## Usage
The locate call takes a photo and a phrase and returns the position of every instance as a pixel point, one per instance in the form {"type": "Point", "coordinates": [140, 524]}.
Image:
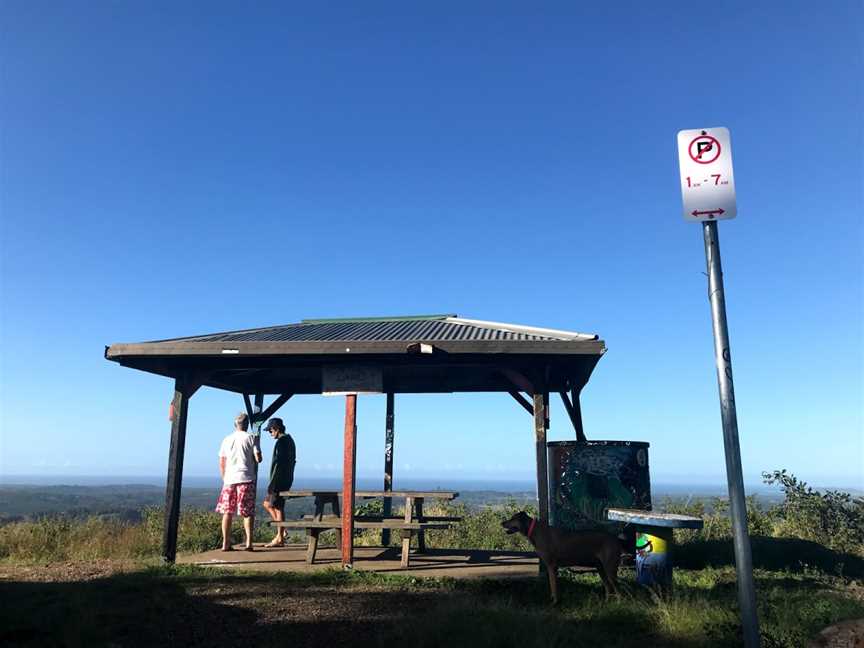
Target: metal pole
{"type": "Point", "coordinates": [723, 357]}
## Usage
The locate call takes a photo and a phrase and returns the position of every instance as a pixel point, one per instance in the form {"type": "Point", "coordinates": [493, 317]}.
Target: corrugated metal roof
{"type": "Point", "coordinates": [427, 328]}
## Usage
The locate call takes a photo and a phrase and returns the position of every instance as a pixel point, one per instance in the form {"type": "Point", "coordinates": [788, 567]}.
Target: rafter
{"type": "Point", "coordinates": [519, 398]}
{"type": "Point", "coordinates": [574, 411]}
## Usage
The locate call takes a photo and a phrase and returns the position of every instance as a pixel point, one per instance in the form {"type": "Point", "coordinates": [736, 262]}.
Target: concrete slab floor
{"type": "Point", "coordinates": [449, 563]}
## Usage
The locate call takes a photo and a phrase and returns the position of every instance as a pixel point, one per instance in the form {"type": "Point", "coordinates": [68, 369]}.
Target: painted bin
{"type": "Point", "coordinates": [654, 557]}
{"type": "Point", "coordinates": [588, 477]}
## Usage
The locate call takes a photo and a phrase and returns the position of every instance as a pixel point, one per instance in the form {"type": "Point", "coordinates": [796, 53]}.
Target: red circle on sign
{"type": "Point", "coordinates": [715, 146]}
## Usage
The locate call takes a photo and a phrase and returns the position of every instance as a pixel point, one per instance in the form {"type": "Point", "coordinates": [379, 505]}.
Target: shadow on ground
{"type": "Point", "coordinates": [144, 610]}
{"type": "Point", "coordinates": [197, 607]}
{"type": "Point", "coordinates": [775, 554]}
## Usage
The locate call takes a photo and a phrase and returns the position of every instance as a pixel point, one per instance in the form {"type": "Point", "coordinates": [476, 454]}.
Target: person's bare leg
{"type": "Point", "coordinates": [269, 508]}
{"type": "Point", "coordinates": [226, 532]}
{"type": "Point", "coordinates": [279, 516]}
{"type": "Point", "coordinates": [247, 527]}
{"type": "Point", "coordinates": [273, 511]}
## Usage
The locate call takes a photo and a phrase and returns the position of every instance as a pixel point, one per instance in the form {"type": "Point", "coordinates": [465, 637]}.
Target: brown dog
{"type": "Point", "coordinates": [560, 548]}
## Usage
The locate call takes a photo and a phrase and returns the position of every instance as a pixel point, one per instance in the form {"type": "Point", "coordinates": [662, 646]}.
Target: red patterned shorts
{"type": "Point", "coordinates": [238, 499]}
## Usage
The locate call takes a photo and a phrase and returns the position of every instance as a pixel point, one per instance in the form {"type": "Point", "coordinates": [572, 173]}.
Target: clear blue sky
{"type": "Point", "coordinates": [170, 170]}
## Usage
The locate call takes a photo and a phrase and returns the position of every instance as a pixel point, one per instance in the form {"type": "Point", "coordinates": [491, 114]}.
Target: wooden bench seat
{"type": "Point", "coordinates": [413, 522]}
{"type": "Point", "coordinates": [379, 518]}
{"type": "Point", "coordinates": [314, 527]}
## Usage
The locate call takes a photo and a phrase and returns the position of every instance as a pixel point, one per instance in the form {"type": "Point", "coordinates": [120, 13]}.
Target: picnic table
{"type": "Point", "coordinates": [654, 541]}
{"type": "Point", "coordinates": [412, 522]}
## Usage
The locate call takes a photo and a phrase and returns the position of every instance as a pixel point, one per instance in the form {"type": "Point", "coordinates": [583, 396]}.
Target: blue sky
{"type": "Point", "coordinates": [169, 170]}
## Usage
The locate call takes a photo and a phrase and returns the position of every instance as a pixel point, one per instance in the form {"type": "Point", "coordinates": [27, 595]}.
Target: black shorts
{"type": "Point", "coordinates": [275, 500]}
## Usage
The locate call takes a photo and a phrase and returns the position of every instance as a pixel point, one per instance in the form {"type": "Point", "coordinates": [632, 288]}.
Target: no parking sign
{"type": "Point", "coordinates": [707, 180]}
{"type": "Point", "coordinates": [708, 191]}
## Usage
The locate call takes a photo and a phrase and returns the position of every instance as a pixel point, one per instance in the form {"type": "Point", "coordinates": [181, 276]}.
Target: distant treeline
{"type": "Point", "coordinates": [834, 519]}
{"type": "Point", "coordinates": [127, 502]}
{"type": "Point", "coordinates": [809, 527]}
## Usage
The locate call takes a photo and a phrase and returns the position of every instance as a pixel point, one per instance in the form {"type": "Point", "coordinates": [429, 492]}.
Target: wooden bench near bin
{"type": "Point", "coordinates": [413, 522]}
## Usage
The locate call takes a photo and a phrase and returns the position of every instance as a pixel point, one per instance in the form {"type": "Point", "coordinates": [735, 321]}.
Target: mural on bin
{"type": "Point", "coordinates": [589, 477]}
{"type": "Point", "coordinates": [651, 560]}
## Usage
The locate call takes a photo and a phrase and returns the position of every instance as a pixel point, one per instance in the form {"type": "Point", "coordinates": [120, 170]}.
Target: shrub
{"type": "Point", "coordinates": [479, 529]}
{"type": "Point", "coordinates": [57, 539]}
{"type": "Point", "coordinates": [833, 518]}
{"type": "Point", "coordinates": [200, 529]}
{"type": "Point", "coordinates": [716, 518]}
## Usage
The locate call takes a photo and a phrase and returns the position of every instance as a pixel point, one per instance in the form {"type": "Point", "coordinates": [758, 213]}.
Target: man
{"type": "Point", "coordinates": [239, 456]}
{"type": "Point", "coordinates": [281, 476]}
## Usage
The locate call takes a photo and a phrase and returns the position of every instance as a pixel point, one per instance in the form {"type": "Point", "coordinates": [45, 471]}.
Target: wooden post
{"type": "Point", "coordinates": [255, 422]}
{"type": "Point", "coordinates": [388, 465]}
{"type": "Point", "coordinates": [575, 399]}
{"type": "Point", "coordinates": [406, 533]}
{"type": "Point", "coordinates": [546, 410]}
{"type": "Point", "coordinates": [183, 390]}
{"type": "Point", "coordinates": [421, 534]}
{"type": "Point", "coordinates": [540, 419]}
{"type": "Point", "coordinates": [349, 471]}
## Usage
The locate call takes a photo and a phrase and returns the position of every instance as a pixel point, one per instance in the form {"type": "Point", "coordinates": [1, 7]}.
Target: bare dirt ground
{"type": "Point", "coordinates": [66, 572]}
{"type": "Point", "coordinates": [110, 601]}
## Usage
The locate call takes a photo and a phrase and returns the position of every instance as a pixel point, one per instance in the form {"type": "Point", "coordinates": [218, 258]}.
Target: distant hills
{"type": "Point", "coordinates": [125, 501]}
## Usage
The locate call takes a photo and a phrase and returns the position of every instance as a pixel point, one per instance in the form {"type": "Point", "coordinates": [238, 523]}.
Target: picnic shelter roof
{"type": "Point", "coordinates": [420, 354]}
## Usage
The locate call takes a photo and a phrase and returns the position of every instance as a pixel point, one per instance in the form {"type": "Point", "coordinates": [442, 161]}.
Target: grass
{"type": "Point", "coordinates": [58, 538]}
{"type": "Point", "coordinates": [804, 583]}
{"type": "Point", "coordinates": [196, 606]}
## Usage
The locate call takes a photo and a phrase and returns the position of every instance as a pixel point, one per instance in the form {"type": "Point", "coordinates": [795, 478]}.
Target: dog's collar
{"type": "Point", "coordinates": [531, 527]}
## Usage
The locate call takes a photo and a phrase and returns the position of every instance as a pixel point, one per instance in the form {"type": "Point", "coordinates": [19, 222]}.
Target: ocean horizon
{"type": "Point", "coordinates": [659, 487]}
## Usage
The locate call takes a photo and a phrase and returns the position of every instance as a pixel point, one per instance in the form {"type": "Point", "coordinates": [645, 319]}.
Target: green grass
{"type": "Point", "coordinates": [808, 555]}
{"type": "Point", "coordinates": [195, 606]}
{"type": "Point", "coordinates": [60, 538]}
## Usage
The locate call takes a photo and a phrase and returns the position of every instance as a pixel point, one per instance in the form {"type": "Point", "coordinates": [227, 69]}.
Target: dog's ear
{"type": "Point", "coordinates": [524, 521]}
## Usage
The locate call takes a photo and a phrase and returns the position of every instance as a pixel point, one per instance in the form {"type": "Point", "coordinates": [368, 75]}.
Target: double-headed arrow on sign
{"type": "Point", "coordinates": [710, 212]}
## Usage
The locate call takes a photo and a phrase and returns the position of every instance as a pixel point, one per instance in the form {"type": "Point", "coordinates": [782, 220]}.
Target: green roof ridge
{"type": "Point", "coordinates": [396, 318]}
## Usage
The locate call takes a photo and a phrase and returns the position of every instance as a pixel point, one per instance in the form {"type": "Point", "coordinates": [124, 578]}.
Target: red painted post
{"type": "Point", "coordinates": [349, 466]}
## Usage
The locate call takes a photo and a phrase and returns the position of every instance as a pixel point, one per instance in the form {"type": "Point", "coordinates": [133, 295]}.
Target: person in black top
{"type": "Point", "coordinates": [281, 476]}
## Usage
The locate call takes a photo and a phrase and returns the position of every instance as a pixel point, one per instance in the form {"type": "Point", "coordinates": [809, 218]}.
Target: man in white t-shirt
{"type": "Point", "coordinates": [239, 456]}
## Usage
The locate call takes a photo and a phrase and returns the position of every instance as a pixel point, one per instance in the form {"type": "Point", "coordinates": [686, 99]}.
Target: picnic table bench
{"type": "Point", "coordinates": [654, 541]}
{"type": "Point", "coordinates": [412, 522]}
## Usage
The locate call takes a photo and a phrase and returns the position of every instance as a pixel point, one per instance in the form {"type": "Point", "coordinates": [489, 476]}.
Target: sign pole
{"type": "Point", "coordinates": [734, 476]}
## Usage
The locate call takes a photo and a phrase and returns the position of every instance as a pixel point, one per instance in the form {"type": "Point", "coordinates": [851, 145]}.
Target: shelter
{"type": "Point", "coordinates": [391, 355]}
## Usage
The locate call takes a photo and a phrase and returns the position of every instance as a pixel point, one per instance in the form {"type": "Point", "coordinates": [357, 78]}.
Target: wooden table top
{"type": "Point", "coordinates": [652, 518]}
{"type": "Point", "coordinates": [449, 495]}
{"type": "Point", "coordinates": [408, 493]}
{"type": "Point", "coordinates": [309, 493]}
